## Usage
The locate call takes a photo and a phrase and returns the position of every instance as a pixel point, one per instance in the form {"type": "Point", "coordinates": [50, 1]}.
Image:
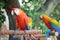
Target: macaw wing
{"type": "Point", "coordinates": [55, 27]}
{"type": "Point", "coordinates": [27, 24]}
{"type": "Point", "coordinates": [28, 21]}
{"type": "Point", "coordinates": [54, 21]}
{"type": "Point", "coordinates": [28, 27]}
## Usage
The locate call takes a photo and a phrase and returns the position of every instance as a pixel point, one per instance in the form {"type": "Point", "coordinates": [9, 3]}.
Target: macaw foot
{"type": "Point", "coordinates": [56, 33]}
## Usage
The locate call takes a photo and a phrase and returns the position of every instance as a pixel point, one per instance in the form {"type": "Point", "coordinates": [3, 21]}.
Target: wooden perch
{"type": "Point", "coordinates": [39, 35]}
{"type": "Point", "coordinates": [20, 32]}
{"type": "Point", "coordinates": [35, 35]}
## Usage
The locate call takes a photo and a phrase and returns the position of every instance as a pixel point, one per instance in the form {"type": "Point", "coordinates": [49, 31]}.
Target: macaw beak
{"type": "Point", "coordinates": [40, 17]}
{"type": "Point", "coordinates": [13, 11]}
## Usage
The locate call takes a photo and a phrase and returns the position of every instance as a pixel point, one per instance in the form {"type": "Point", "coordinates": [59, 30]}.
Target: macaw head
{"type": "Point", "coordinates": [42, 15]}
{"type": "Point", "coordinates": [45, 17]}
{"type": "Point", "coordinates": [15, 11]}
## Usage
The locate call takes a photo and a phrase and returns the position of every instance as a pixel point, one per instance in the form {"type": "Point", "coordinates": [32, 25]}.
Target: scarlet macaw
{"type": "Point", "coordinates": [23, 22]}
{"type": "Point", "coordinates": [51, 23]}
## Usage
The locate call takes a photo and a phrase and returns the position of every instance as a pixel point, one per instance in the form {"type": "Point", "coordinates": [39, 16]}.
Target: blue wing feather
{"type": "Point", "coordinates": [28, 27]}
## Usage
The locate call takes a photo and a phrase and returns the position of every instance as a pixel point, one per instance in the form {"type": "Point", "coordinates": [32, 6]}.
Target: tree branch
{"type": "Point", "coordinates": [11, 4]}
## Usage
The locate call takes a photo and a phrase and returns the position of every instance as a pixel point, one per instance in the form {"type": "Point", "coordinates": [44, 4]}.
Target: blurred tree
{"type": "Point", "coordinates": [56, 13]}
{"type": "Point", "coordinates": [2, 17]}
{"type": "Point", "coordinates": [11, 4]}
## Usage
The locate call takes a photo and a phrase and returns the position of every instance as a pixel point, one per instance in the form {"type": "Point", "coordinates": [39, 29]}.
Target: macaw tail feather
{"type": "Point", "coordinates": [56, 28]}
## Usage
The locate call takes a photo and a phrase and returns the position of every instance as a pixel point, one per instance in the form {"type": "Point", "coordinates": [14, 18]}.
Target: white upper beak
{"type": "Point", "coordinates": [12, 13]}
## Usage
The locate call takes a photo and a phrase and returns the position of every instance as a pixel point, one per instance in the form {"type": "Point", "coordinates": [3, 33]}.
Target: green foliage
{"type": "Point", "coordinates": [56, 13]}
{"type": "Point", "coordinates": [2, 17]}
{"type": "Point", "coordinates": [43, 27]}
{"type": "Point", "coordinates": [2, 3]}
{"type": "Point", "coordinates": [32, 5]}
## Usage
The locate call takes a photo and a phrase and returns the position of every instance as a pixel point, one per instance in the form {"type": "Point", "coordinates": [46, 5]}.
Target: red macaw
{"type": "Point", "coordinates": [46, 20]}
{"type": "Point", "coordinates": [23, 22]}
{"type": "Point", "coordinates": [52, 24]}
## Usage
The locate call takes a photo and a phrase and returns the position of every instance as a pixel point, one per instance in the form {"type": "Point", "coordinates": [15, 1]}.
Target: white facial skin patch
{"type": "Point", "coordinates": [16, 11]}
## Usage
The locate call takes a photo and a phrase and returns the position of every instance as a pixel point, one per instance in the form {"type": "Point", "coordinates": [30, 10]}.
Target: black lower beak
{"type": "Point", "coordinates": [40, 18]}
